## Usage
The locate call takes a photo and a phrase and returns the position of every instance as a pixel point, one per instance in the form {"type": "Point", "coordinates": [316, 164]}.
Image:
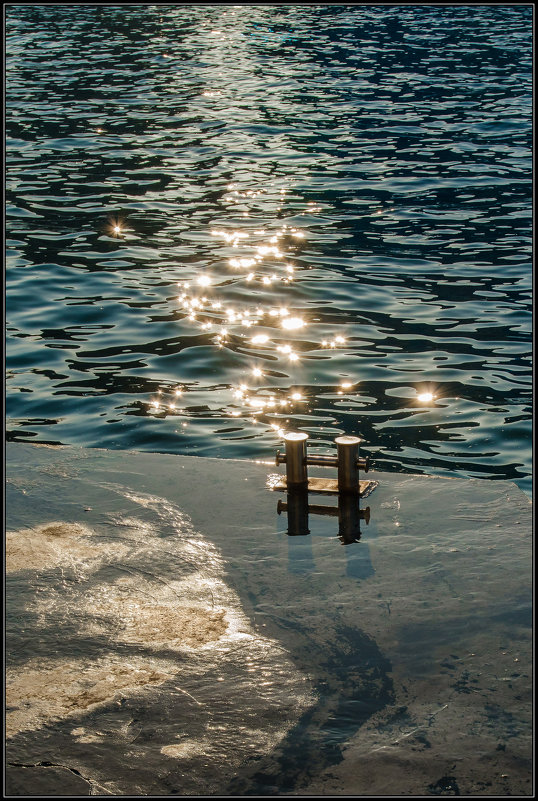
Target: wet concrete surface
{"type": "Point", "coordinates": [166, 636]}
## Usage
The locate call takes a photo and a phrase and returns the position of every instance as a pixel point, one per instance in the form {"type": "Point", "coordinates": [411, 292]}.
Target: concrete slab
{"type": "Point", "coordinates": [166, 636]}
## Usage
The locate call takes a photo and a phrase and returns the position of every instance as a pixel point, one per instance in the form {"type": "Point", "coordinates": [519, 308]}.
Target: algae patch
{"type": "Point", "coordinates": [183, 750]}
{"type": "Point", "coordinates": [57, 544]}
{"type": "Point", "coordinates": [155, 615]}
{"type": "Point", "coordinates": [39, 693]}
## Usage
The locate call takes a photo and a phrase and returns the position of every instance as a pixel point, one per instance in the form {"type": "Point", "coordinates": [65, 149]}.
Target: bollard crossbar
{"type": "Point", "coordinates": [323, 461]}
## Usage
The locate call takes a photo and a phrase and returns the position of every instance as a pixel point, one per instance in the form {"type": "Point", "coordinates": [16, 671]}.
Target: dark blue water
{"type": "Point", "coordinates": [361, 171]}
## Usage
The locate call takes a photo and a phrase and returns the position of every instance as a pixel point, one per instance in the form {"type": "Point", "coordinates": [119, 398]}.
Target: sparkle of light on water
{"type": "Point", "coordinates": [183, 206]}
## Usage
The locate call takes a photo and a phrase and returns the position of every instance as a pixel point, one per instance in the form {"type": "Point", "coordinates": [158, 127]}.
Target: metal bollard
{"type": "Point", "coordinates": [295, 460]}
{"type": "Point", "coordinates": [348, 463]}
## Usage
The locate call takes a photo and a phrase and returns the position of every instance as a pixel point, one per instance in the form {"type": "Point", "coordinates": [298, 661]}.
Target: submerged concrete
{"type": "Point", "coordinates": [166, 636]}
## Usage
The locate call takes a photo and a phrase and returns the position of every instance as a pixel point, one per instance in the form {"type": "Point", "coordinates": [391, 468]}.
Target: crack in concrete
{"type": "Point", "coordinates": [46, 764]}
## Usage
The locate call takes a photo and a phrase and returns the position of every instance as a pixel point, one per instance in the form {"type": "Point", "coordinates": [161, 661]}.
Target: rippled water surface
{"type": "Point", "coordinates": [225, 222]}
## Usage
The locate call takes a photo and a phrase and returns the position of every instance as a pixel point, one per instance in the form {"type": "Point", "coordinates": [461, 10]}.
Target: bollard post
{"type": "Point", "coordinates": [296, 474]}
{"type": "Point", "coordinates": [348, 467]}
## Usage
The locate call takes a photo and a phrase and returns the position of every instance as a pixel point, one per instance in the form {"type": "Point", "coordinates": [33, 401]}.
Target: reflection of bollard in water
{"type": "Point", "coordinates": [297, 509]}
{"type": "Point", "coordinates": [300, 556]}
{"type": "Point", "coordinates": [348, 512]}
{"type": "Point", "coordinates": [349, 517]}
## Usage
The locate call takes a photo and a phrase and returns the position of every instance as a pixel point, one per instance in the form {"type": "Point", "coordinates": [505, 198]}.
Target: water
{"type": "Point", "coordinates": [362, 171]}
